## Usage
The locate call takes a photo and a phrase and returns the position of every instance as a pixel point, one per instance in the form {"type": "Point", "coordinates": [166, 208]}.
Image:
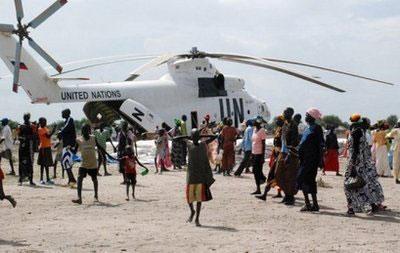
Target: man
{"type": "Point", "coordinates": [68, 136]}
{"type": "Point", "coordinates": [288, 161]}
{"type": "Point", "coordinates": [7, 140]}
{"type": "Point", "coordinates": [103, 134]}
{"type": "Point", "coordinates": [246, 146]}
{"type": "Point", "coordinates": [26, 133]}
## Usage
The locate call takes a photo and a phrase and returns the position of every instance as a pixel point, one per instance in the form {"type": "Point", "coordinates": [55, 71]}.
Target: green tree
{"type": "Point", "coordinates": [392, 120]}
{"type": "Point", "coordinates": [331, 120]}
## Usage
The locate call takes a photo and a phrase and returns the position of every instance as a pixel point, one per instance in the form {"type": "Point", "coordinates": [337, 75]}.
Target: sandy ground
{"type": "Point", "coordinates": [45, 220]}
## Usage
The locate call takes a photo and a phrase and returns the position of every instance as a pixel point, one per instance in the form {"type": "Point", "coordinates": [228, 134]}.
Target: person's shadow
{"type": "Point", "coordinates": [220, 228]}
{"type": "Point", "coordinates": [14, 243]}
{"type": "Point", "coordinates": [386, 216]}
{"type": "Point", "coordinates": [103, 204]}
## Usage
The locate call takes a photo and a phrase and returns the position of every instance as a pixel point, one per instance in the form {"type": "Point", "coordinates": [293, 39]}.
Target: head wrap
{"type": "Point", "coordinates": [315, 113]}
{"type": "Point", "coordinates": [4, 121]}
{"type": "Point", "coordinates": [355, 117]}
{"type": "Point", "coordinates": [280, 117]}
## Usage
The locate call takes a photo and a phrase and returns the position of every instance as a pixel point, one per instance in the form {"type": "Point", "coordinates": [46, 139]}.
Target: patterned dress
{"type": "Point", "coordinates": [360, 157]}
{"type": "Point", "coordinates": [178, 156]}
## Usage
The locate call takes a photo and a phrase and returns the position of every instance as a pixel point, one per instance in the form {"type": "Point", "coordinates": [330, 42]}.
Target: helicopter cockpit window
{"type": "Point", "coordinates": [212, 87]}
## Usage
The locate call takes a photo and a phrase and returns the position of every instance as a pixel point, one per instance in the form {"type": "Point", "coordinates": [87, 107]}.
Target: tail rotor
{"type": "Point", "coordinates": [21, 30]}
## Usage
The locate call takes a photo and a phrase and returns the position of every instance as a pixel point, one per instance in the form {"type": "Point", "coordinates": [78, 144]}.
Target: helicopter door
{"type": "Point", "coordinates": [194, 119]}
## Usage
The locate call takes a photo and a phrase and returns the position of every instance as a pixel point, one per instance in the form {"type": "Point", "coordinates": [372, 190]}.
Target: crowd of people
{"type": "Point", "coordinates": [298, 152]}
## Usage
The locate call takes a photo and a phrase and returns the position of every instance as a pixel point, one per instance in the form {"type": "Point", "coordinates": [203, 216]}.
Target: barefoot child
{"type": "Point", "coordinates": [58, 157]}
{"type": "Point", "coordinates": [45, 159]}
{"type": "Point", "coordinates": [199, 174]}
{"type": "Point", "coordinates": [2, 195]}
{"type": "Point", "coordinates": [130, 161]}
{"type": "Point", "coordinates": [87, 145]}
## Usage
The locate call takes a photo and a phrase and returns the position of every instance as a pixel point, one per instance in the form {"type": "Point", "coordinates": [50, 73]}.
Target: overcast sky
{"type": "Point", "coordinates": [360, 36]}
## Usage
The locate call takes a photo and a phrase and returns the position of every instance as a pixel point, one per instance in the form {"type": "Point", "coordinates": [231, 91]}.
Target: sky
{"type": "Point", "coordinates": [360, 36]}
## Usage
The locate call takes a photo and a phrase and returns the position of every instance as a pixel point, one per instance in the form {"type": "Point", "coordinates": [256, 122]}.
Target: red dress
{"type": "Point", "coordinates": [331, 157]}
{"type": "Point", "coordinates": [331, 160]}
{"type": "Point", "coordinates": [228, 135]}
{"type": "Point", "coordinates": [130, 165]}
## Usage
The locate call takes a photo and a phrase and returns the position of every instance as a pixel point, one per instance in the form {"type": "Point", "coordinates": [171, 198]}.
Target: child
{"type": "Point", "coordinates": [130, 161]}
{"type": "Point", "coordinates": [199, 174]}
{"type": "Point", "coordinates": [58, 157]}
{"type": "Point", "coordinates": [45, 156]}
{"type": "Point", "coordinates": [2, 195]}
{"type": "Point", "coordinates": [87, 145]}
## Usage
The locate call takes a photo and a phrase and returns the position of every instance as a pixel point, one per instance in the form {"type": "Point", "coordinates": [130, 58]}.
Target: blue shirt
{"type": "Point", "coordinates": [247, 141]}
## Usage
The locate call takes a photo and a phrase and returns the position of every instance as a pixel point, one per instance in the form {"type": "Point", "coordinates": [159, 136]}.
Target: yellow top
{"type": "Point", "coordinates": [380, 138]}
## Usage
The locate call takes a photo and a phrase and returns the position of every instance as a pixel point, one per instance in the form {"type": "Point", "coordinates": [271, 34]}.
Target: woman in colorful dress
{"type": "Point", "coordinates": [163, 155]}
{"type": "Point", "coordinates": [228, 136]}
{"type": "Point", "coordinates": [368, 198]}
{"type": "Point", "coordinates": [381, 151]}
{"type": "Point", "coordinates": [331, 156]}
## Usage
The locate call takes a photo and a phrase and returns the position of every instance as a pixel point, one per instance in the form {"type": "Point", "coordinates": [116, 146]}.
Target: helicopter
{"type": "Point", "coordinates": [193, 86]}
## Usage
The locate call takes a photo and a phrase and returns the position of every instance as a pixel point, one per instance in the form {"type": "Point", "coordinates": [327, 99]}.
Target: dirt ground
{"type": "Point", "coordinates": [45, 220]}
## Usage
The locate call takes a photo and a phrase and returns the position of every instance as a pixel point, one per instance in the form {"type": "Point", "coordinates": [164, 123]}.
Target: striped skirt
{"type": "Point", "coordinates": [197, 193]}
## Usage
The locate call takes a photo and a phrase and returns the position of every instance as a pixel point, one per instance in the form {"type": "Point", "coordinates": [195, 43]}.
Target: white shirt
{"type": "Point", "coordinates": [6, 134]}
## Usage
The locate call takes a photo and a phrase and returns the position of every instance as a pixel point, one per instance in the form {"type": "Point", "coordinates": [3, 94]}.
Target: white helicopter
{"type": "Point", "coordinates": [193, 86]}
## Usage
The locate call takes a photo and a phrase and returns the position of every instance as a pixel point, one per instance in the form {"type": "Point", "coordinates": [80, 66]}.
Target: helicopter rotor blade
{"type": "Point", "coordinates": [19, 9]}
{"type": "Point", "coordinates": [45, 55]}
{"type": "Point", "coordinates": [154, 63]}
{"type": "Point", "coordinates": [17, 65]}
{"type": "Point", "coordinates": [327, 69]}
{"type": "Point", "coordinates": [219, 55]}
{"type": "Point", "coordinates": [6, 28]}
{"type": "Point", "coordinates": [105, 63]}
{"type": "Point", "coordinates": [47, 13]}
{"type": "Point", "coordinates": [269, 65]}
